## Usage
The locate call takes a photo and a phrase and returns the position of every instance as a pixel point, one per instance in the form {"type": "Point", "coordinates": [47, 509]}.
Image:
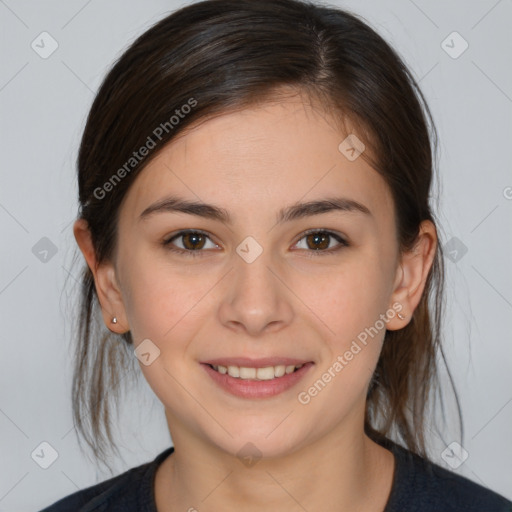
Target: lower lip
{"type": "Point", "coordinates": [249, 388]}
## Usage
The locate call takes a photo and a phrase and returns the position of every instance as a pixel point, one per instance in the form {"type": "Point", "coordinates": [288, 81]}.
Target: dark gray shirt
{"type": "Point", "coordinates": [418, 486]}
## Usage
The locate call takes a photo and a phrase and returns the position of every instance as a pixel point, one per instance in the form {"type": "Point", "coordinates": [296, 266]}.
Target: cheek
{"type": "Point", "coordinates": [347, 297]}
{"type": "Point", "coordinates": [161, 306]}
{"type": "Point", "coordinates": [349, 300]}
{"type": "Point", "coordinates": [158, 299]}
{"type": "Point", "coordinates": [349, 303]}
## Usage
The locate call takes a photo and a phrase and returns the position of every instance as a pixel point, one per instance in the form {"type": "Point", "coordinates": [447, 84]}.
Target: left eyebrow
{"type": "Point", "coordinates": [301, 210]}
{"type": "Point", "coordinates": [292, 212]}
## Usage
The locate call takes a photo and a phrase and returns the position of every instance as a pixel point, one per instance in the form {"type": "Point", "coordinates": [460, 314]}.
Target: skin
{"type": "Point", "coordinates": [252, 163]}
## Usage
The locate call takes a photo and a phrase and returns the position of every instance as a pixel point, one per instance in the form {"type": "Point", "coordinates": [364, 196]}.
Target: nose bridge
{"type": "Point", "coordinates": [255, 296]}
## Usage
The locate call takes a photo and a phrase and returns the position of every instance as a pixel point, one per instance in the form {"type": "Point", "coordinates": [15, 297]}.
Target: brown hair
{"type": "Point", "coordinates": [222, 55]}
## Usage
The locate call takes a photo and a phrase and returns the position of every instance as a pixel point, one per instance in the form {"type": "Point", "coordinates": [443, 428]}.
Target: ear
{"type": "Point", "coordinates": [411, 275]}
{"type": "Point", "coordinates": [109, 293]}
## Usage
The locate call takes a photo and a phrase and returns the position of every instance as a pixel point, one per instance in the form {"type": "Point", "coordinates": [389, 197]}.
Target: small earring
{"type": "Point", "coordinates": [114, 320]}
{"type": "Point", "coordinates": [402, 317]}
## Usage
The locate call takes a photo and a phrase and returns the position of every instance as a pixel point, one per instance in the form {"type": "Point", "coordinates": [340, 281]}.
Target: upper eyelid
{"type": "Point", "coordinates": [321, 230]}
{"type": "Point", "coordinates": [187, 232]}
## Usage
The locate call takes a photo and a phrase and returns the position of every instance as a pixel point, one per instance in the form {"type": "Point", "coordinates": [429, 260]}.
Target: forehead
{"type": "Point", "coordinates": [261, 157]}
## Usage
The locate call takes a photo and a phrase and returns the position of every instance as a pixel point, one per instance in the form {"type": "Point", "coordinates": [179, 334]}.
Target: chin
{"type": "Point", "coordinates": [259, 441]}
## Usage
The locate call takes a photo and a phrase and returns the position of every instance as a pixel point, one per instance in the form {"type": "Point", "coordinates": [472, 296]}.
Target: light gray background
{"type": "Point", "coordinates": [43, 107]}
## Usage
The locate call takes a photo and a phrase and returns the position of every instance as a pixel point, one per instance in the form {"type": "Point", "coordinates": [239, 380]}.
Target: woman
{"type": "Point", "coordinates": [254, 183]}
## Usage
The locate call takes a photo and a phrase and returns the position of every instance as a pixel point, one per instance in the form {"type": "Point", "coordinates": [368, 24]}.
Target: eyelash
{"type": "Point", "coordinates": [311, 253]}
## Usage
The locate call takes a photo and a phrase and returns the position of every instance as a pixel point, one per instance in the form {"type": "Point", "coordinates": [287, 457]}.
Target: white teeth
{"type": "Point", "coordinates": [279, 371]}
{"type": "Point", "coordinates": [247, 373]}
{"type": "Point", "coordinates": [267, 373]}
{"type": "Point", "coordinates": [234, 371]}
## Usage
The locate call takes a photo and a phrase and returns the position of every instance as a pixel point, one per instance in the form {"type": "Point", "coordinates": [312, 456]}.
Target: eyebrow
{"type": "Point", "coordinates": [295, 211]}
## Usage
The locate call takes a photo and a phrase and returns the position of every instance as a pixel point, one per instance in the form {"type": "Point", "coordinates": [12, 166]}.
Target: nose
{"type": "Point", "coordinates": [256, 298]}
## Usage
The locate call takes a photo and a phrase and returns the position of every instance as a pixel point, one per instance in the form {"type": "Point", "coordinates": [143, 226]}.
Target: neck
{"type": "Point", "coordinates": [342, 472]}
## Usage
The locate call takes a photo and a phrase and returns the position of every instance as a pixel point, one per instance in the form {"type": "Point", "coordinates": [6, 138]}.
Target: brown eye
{"type": "Point", "coordinates": [190, 243]}
{"type": "Point", "coordinates": [193, 241]}
{"type": "Point", "coordinates": [318, 241]}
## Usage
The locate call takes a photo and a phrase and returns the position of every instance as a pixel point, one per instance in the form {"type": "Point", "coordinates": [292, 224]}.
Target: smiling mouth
{"type": "Point", "coordinates": [264, 373]}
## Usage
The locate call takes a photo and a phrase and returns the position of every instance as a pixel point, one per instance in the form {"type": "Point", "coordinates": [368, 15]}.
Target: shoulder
{"type": "Point", "coordinates": [129, 491]}
{"type": "Point", "coordinates": [422, 486]}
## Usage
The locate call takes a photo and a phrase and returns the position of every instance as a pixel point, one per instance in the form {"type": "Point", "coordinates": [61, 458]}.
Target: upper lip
{"type": "Point", "coordinates": [255, 363]}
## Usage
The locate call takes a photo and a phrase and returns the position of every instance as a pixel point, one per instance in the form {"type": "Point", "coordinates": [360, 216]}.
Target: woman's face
{"type": "Point", "coordinates": [255, 287]}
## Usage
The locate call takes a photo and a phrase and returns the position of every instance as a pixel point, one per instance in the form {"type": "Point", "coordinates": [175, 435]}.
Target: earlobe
{"type": "Point", "coordinates": [107, 289]}
{"type": "Point", "coordinates": [412, 274]}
